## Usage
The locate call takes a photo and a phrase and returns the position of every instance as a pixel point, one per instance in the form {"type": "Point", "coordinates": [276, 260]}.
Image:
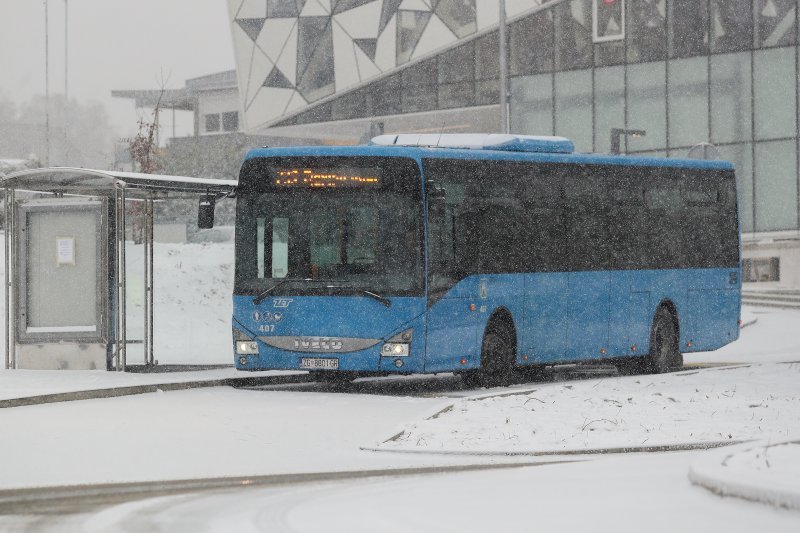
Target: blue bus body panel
{"type": "Point", "coordinates": [331, 316]}
{"type": "Point", "coordinates": [544, 331]}
{"type": "Point", "coordinates": [558, 317]}
{"type": "Point", "coordinates": [583, 316]}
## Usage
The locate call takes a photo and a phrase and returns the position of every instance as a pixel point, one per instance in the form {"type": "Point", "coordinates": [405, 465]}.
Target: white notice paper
{"type": "Point", "coordinates": [65, 250]}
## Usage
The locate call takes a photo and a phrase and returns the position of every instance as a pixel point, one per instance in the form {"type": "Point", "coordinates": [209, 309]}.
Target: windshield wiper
{"type": "Point", "coordinates": [263, 294]}
{"type": "Point", "coordinates": [382, 299]}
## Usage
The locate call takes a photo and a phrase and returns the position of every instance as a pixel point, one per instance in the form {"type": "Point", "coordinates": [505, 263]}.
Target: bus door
{"type": "Point", "coordinates": [453, 294]}
{"type": "Point", "coordinates": [544, 334]}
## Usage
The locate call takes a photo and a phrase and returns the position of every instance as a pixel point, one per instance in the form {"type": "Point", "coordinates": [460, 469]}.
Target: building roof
{"type": "Point", "coordinates": [182, 99]}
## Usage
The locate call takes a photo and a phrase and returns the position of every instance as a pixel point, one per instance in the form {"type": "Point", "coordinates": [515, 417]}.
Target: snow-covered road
{"type": "Point", "coordinates": [645, 492]}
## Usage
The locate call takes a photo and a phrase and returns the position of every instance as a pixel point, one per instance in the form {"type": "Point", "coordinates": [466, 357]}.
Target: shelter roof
{"type": "Point", "coordinates": [106, 182]}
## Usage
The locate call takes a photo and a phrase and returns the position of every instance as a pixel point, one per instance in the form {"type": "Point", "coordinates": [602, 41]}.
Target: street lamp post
{"type": "Point", "coordinates": [504, 125]}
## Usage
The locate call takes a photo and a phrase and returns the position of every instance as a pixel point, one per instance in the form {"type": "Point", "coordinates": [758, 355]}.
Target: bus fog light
{"type": "Point", "coordinates": [243, 361]}
{"type": "Point", "coordinates": [246, 347]}
{"type": "Point", "coordinates": [398, 363]}
{"type": "Point", "coordinates": [395, 349]}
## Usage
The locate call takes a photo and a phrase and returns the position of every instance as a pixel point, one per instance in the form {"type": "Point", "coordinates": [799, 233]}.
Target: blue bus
{"type": "Point", "coordinates": [480, 255]}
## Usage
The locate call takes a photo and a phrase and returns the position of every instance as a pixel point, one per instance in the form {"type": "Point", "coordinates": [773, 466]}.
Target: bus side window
{"type": "Point", "coordinates": [543, 231]}
{"type": "Point", "coordinates": [627, 224]}
{"type": "Point", "coordinates": [585, 208]}
{"type": "Point", "coordinates": [664, 206]}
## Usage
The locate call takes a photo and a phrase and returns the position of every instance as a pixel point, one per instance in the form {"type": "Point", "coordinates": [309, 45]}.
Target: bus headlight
{"type": "Point", "coordinates": [394, 349]}
{"type": "Point", "coordinates": [244, 344]}
{"type": "Point", "coordinates": [246, 347]}
{"type": "Point", "coordinates": [398, 345]}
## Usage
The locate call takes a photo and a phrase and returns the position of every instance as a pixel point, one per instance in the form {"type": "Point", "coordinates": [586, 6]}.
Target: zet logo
{"type": "Point", "coordinates": [281, 302]}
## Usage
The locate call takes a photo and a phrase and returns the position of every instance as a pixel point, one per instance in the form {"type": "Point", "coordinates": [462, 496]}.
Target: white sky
{"type": "Point", "coordinates": [113, 44]}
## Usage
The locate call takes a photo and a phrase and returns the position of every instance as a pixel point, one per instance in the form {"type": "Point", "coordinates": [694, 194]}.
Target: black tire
{"type": "Point", "coordinates": [665, 355]}
{"type": "Point", "coordinates": [498, 357]}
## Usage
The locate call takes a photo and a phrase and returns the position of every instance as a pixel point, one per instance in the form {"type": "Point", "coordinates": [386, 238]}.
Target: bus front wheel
{"type": "Point", "coordinates": [498, 355]}
{"type": "Point", "coordinates": [665, 355]}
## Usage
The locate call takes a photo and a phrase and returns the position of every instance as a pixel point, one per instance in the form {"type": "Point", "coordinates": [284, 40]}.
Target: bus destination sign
{"type": "Point", "coordinates": [327, 178]}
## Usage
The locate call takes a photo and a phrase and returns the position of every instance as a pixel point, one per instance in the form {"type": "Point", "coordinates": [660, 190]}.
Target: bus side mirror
{"type": "Point", "coordinates": [205, 212]}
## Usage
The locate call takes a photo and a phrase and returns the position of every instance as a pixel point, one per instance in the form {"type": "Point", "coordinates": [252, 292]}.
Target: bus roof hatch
{"type": "Point", "coordinates": [480, 141]}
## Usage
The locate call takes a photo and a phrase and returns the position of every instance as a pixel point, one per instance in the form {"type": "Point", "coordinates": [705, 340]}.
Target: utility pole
{"type": "Point", "coordinates": [504, 125]}
{"type": "Point", "coordinates": [46, 87]}
{"type": "Point", "coordinates": [66, 78]}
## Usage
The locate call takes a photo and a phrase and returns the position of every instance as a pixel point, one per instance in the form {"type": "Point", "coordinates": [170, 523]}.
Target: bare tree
{"type": "Point", "coordinates": [144, 146]}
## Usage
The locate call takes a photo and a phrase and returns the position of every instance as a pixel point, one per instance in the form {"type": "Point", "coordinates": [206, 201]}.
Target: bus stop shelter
{"type": "Point", "coordinates": [65, 234]}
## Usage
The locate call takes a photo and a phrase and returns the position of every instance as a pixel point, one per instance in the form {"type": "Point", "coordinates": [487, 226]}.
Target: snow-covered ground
{"type": "Point", "coordinates": [226, 432]}
{"type": "Point", "coordinates": [634, 493]}
{"type": "Point", "coordinates": [698, 406]}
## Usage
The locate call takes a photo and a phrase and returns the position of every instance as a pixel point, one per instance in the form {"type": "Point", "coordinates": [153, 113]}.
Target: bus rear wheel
{"type": "Point", "coordinates": [664, 355]}
{"type": "Point", "coordinates": [498, 355]}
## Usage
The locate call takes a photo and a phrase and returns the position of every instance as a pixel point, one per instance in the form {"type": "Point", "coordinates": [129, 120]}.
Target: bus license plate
{"type": "Point", "coordinates": [329, 364]}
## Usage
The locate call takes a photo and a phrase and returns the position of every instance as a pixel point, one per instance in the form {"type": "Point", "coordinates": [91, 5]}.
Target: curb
{"type": "Point", "coordinates": [32, 499]}
{"type": "Point", "coordinates": [132, 390]}
{"type": "Point", "coordinates": [715, 479]}
{"type": "Point", "coordinates": [680, 447]}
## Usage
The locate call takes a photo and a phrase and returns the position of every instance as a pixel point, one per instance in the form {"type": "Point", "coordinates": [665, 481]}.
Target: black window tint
{"type": "Point", "coordinates": [626, 221]}
{"type": "Point", "coordinates": [699, 192]}
{"type": "Point", "coordinates": [585, 213]}
{"type": "Point", "coordinates": [492, 217]}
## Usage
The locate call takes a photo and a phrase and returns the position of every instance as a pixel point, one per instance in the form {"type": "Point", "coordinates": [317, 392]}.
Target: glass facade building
{"type": "Point", "coordinates": [724, 72]}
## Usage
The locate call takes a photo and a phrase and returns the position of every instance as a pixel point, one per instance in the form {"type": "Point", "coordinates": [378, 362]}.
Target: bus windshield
{"type": "Point", "coordinates": [351, 226]}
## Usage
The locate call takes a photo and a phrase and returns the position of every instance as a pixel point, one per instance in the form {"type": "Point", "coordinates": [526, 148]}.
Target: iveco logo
{"type": "Point", "coordinates": [321, 344]}
{"type": "Point", "coordinates": [281, 302]}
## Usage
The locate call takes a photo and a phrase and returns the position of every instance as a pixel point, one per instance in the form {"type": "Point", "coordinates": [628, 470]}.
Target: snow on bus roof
{"type": "Point", "coordinates": [480, 141]}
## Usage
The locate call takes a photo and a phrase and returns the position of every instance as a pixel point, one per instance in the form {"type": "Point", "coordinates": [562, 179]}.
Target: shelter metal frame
{"type": "Point", "coordinates": [118, 188]}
